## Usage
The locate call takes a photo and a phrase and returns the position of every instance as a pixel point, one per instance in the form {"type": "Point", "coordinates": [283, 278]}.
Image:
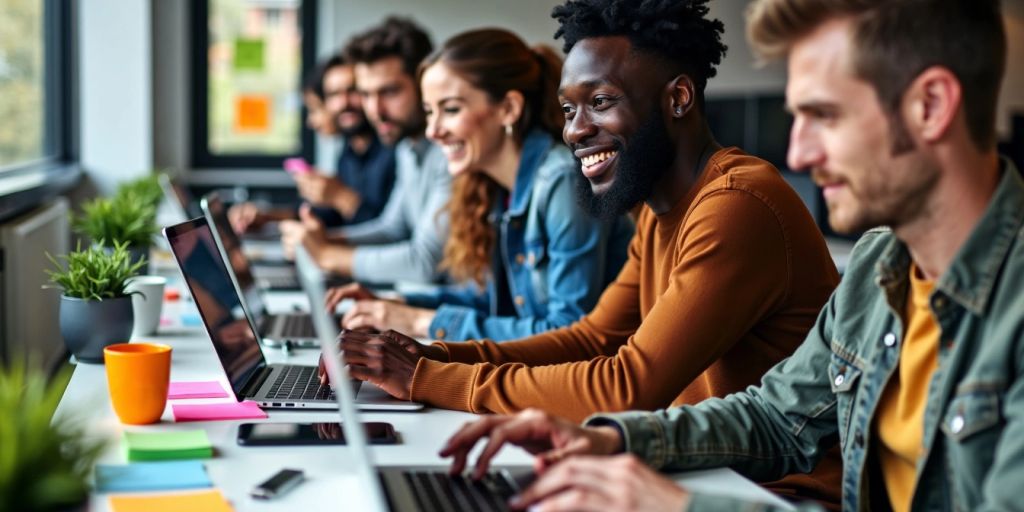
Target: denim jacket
{"type": "Point", "coordinates": [974, 420]}
{"type": "Point", "coordinates": [556, 258]}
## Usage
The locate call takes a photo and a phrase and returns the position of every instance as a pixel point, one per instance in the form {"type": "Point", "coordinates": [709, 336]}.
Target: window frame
{"type": "Point", "coordinates": [60, 136]}
{"type": "Point", "coordinates": [202, 158]}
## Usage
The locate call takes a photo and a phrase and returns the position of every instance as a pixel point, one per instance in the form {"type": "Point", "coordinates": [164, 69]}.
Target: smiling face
{"type": "Point", "coordinates": [390, 99]}
{"type": "Point", "coordinates": [461, 119]}
{"type": "Point", "coordinates": [614, 123]}
{"type": "Point", "coordinates": [317, 118]}
{"type": "Point", "coordinates": [844, 138]}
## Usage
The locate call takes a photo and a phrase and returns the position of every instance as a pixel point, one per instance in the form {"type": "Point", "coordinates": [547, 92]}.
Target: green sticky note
{"type": "Point", "coordinates": [184, 444]}
{"type": "Point", "coordinates": [249, 54]}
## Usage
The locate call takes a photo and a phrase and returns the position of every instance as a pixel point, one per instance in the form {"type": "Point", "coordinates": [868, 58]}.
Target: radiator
{"type": "Point", "coordinates": [28, 314]}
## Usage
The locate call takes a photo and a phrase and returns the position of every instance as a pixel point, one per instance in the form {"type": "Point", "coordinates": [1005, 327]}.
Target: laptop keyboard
{"type": "Point", "coordinates": [437, 490]}
{"type": "Point", "coordinates": [299, 383]}
{"type": "Point", "coordinates": [298, 326]}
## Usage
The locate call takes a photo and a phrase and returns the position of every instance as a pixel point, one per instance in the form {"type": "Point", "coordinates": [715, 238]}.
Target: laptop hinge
{"type": "Point", "coordinates": [255, 383]}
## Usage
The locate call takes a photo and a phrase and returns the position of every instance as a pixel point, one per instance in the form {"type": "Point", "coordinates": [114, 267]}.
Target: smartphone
{"type": "Point", "coordinates": [294, 434]}
{"type": "Point", "coordinates": [282, 482]}
{"type": "Point", "coordinates": [295, 166]}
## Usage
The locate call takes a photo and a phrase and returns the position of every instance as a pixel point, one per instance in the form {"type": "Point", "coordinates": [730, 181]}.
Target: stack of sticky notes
{"type": "Point", "coordinates": [204, 501]}
{"type": "Point", "coordinates": [178, 444]}
{"type": "Point", "coordinates": [151, 476]}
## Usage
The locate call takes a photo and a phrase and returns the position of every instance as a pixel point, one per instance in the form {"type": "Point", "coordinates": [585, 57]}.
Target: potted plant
{"type": "Point", "coordinates": [127, 217]}
{"type": "Point", "coordinates": [145, 190]}
{"type": "Point", "coordinates": [45, 464]}
{"type": "Point", "coordinates": [95, 309]}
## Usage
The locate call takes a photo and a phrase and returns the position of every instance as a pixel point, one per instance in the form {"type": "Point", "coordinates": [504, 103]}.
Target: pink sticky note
{"type": "Point", "coordinates": [198, 389]}
{"type": "Point", "coordinates": [212, 412]}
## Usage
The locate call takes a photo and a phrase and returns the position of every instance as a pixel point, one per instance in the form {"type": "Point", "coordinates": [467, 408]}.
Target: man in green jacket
{"type": "Point", "coordinates": [916, 364]}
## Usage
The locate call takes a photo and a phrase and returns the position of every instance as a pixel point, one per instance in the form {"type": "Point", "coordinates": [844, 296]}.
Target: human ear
{"type": "Point", "coordinates": [681, 96]}
{"type": "Point", "coordinates": [931, 103]}
{"type": "Point", "coordinates": [511, 107]}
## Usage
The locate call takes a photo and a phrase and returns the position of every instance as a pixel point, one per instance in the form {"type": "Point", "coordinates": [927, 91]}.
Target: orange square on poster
{"type": "Point", "coordinates": [252, 113]}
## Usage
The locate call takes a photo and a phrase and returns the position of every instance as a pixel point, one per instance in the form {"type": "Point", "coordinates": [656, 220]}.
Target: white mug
{"type": "Point", "coordinates": [147, 303]}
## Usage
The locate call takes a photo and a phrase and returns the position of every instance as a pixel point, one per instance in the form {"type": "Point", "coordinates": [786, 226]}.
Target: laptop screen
{"type": "Point", "coordinates": [232, 334]}
{"type": "Point", "coordinates": [217, 214]}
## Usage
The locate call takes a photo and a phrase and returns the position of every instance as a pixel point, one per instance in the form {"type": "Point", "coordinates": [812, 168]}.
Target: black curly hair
{"type": "Point", "coordinates": [676, 31]}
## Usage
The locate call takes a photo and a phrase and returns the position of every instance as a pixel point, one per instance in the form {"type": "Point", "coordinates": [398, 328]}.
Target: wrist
{"type": "Point", "coordinates": [609, 439]}
{"type": "Point", "coordinates": [421, 324]}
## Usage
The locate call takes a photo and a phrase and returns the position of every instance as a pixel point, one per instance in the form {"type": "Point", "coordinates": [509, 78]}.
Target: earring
{"type": "Point", "coordinates": [679, 111]}
{"type": "Point", "coordinates": [508, 130]}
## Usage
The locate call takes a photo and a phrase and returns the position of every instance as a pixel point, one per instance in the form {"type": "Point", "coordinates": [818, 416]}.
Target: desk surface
{"type": "Point", "coordinates": [235, 469]}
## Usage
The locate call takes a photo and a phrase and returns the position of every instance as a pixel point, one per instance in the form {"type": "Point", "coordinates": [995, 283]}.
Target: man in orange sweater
{"type": "Point", "coordinates": [726, 272]}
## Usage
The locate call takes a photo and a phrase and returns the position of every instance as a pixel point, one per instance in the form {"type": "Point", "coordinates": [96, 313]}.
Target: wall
{"type": "Point", "coordinates": [115, 91]}
{"type": "Point", "coordinates": [1011, 95]}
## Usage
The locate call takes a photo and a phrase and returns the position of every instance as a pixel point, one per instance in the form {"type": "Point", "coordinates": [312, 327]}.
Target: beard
{"type": "Point", "coordinates": [363, 127]}
{"type": "Point", "coordinates": [641, 165]}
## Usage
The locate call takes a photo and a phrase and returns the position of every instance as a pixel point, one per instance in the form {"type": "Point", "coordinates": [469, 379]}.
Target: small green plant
{"type": "Point", "coordinates": [44, 464]}
{"type": "Point", "coordinates": [145, 190]}
{"type": "Point", "coordinates": [123, 218]}
{"type": "Point", "coordinates": [95, 273]}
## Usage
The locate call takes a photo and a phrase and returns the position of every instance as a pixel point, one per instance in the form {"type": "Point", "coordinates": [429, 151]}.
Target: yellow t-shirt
{"type": "Point", "coordinates": [899, 423]}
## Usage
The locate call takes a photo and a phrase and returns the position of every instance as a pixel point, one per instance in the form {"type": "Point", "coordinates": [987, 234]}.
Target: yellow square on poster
{"type": "Point", "coordinates": [252, 113]}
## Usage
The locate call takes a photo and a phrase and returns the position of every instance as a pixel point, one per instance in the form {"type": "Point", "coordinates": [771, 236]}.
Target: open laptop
{"type": "Point", "coordinates": [276, 386]}
{"type": "Point", "coordinates": [271, 277]}
{"type": "Point", "coordinates": [177, 199]}
{"type": "Point", "coordinates": [402, 488]}
{"type": "Point", "coordinates": [276, 329]}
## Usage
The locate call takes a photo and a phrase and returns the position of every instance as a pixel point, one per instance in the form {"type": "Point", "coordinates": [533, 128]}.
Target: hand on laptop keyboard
{"type": "Point", "coordinates": [542, 434]}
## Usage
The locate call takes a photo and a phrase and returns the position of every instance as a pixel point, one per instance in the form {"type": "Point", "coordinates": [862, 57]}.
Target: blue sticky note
{"type": "Point", "coordinates": [151, 476]}
{"type": "Point", "coordinates": [191, 320]}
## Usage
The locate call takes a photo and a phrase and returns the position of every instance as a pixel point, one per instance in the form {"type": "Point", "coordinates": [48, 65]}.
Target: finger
{"type": "Point", "coordinates": [576, 499]}
{"type": "Point", "coordinates": [460, 443]}
{"type": "Point", "coordinates": [363, 322]}
{"type": "Point", "coordinates": [516, 431]}
{"type": "Point", "coordinates": [587, 473]}
{"type": "Point", "coordinates": [470, 433]}
{"type": "Point", "coordinates": [580, 445]}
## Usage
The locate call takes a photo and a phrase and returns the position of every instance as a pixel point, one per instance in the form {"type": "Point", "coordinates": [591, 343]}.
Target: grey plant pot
{"type": "Point", "coordinates": [88, 326]}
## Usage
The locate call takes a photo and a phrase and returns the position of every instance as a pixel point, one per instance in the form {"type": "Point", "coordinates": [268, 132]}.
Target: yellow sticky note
{"type": "Point", "coordinates": [205, 501]}
{"type": "Point", "coordinates": [252, 113]}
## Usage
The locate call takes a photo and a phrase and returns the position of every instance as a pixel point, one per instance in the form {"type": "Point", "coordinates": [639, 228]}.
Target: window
{"type": "Point", "coordinates": [249, 58]}
{"type": "Point", "coordinates": [34, 85]}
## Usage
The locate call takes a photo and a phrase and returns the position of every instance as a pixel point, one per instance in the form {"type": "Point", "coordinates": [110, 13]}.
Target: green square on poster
{"type": "Point", "coordinates": [249, 54]}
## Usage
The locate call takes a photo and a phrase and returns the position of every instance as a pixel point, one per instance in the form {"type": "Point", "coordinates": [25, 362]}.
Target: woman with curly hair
{"type": "Point", "coordinates": [527, 256]}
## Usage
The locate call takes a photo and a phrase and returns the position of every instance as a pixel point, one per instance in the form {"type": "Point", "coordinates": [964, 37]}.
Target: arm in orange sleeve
{"type": "Point", "coordinates": [732, 270]}
{"type": "Point", "coordinates": [614, 319]}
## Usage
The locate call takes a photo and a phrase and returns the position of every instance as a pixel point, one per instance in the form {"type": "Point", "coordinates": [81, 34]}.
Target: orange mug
{"type": "Point", "coordinates": [138, 375]}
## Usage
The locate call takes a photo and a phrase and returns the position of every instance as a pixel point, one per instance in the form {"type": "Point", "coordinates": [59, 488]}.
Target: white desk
{"type": "Point", "coordinates": [331, 484]}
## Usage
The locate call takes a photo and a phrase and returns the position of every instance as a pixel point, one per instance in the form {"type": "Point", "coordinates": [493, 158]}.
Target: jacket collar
{"type": "Point", "coordinates": [535, 147]}
{"type": "Point", "coordinates": [971, 276]}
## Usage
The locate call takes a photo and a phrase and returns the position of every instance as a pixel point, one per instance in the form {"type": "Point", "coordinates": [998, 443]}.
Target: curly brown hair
{"type": "Point", "coordinates": [495, 61]}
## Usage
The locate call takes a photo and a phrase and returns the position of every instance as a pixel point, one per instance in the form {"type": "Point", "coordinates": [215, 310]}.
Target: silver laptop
{"type": "Point", "coordinates": [401, 488]}
{"type": "Point", "coordinates": [275, 329]}
{"type": "Point", "coordinates": [275, 386]}
{"type": "Point", "coordinates": [278, 276]}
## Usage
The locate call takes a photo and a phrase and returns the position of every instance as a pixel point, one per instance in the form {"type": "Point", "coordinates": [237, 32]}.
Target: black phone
{"type": "Point", "coordinates": [293, 434]}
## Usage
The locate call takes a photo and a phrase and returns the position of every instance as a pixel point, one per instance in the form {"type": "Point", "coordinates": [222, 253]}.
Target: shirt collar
{"type": "Point", "coordinates": [971, 276]}
{"type": "Point", "coordinates": [535, 147]}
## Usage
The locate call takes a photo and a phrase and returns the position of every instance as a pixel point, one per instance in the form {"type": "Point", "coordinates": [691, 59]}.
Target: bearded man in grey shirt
{"type": "Point", "coordinates": [406, 242]}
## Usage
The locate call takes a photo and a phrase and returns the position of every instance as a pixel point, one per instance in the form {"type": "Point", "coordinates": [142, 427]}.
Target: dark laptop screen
{"type": "Point", "coordinates": [203, 268]}
{"type": "Point", "coordinates": [218, 216]}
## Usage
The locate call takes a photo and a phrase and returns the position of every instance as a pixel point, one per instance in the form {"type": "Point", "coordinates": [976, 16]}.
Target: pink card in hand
{"type": "Point", "coordinates": [197, 389]}
{"type": "Point", "coordinates": [212, 412]}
